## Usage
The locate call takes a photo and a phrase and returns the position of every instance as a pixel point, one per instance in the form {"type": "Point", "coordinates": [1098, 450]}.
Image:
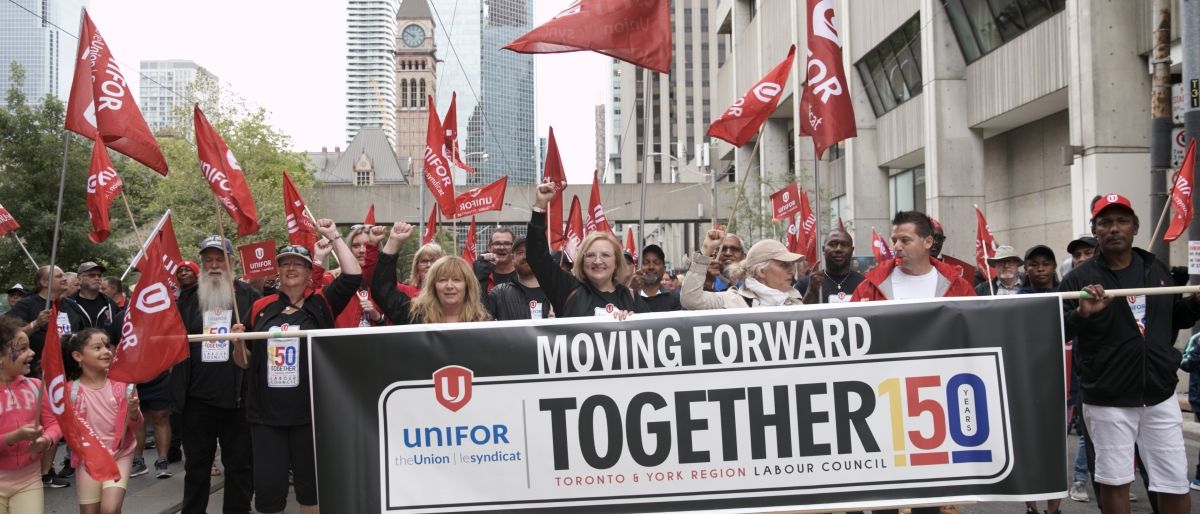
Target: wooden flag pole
{"type": "Point", "coordinates": [1161, 217]}
{"type": "Point", "coordinates": [746, 175]}
{"type": "Point", "coordinates": [237, 316]}
{"type": "Point", "coordinates": [136, 232]}
{"type": "Point", "coordinates": [314, 220]}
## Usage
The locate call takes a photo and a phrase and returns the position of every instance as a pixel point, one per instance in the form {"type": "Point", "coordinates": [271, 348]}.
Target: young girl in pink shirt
{"type": "Point", "coordinates": [24, 436]}
{"type": "Point", "coordinates": [110, 407]}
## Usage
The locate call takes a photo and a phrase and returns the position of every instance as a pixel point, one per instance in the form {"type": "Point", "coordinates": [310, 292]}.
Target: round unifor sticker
{"type": "Point", "coordinates": [1131, 299]}
{"type": "Point", "coordinates": [533, 304]}
{"type": "Point", "coordinates": [1112, 198]}
{"type": "Point", "coordinates": [609, 308]}
{"type": "Point", "coordinates": [362, 293]}
{"type": "Point", "coordinates": [841, 295]}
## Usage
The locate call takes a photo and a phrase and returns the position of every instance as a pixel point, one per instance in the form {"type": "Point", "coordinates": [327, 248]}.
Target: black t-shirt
{"type": "Point", "coordinates": [278, 377]}
{"type": "Point", "coordinates": [833, 285]}
{"type": "Point", "coordinates": [94, 308]}
{"type": "Point", "coordinates": [1131, 276]}
{"type": "Point", "coordinates": [500, 278]}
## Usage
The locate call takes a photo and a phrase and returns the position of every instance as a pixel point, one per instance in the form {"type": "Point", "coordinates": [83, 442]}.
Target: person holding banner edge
{"type": "Point", "coordinates": [277, 402]}
{"type": "Point", "coordinates": [1127, 362]}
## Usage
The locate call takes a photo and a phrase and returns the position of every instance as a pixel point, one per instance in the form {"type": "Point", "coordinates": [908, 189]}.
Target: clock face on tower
{"type": "Point", "coordinates": [413, 35]}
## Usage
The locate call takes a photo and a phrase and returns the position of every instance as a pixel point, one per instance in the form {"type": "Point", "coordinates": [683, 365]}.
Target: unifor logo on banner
{"type": "Point", "coordinates": [844, 407]}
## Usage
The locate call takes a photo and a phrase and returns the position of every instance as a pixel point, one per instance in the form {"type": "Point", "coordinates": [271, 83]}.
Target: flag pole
{"type": "Point", "coordinates": [421, 202]}
{"type": "Point", "coordinates": [62, 184]}
{"type": "Point", "coordinates": [136, 232]}
{"type": "Point", "coordinates": [237, 316]}
{"type": "Point", "coordinates": [817, 197]}
{"type": "Point", "coordinates": [646, 134]}
{"type": "Point", "coordinates": [742, 188]}
{"type": "Point", "coordinates": [314, 220]}
{"type": "Point", "coordinates": [26, 250]}
{"type": "Point", "coordinates": [1162, 217]}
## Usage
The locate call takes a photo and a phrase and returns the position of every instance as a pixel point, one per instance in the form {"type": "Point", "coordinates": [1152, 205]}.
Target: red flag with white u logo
{"type": "Point", "coordinates": [7, 222]}
{"type": "Point", "coordinates": [103, 186]}
{"type": "Point", "coordinates": [785, 202]}
{"type": "Point", "coordinates": [468, 251]}
{"type": "Point", "coordinates": [826, 112]}
{"type": "Point", "coordinates": [482, 199]}
{"type": "Point", "coordinates": [595, 219]}
{"type": "Point", "coordinates": [224, 175]}
{"type": "Point", "coordinates": [101, 104]}
{"type": "Point", "coordinates": [430, 228]}
{"type": "Point", "coordinates": [77, 433]}
{"type": "Point", "coordinates": [985, 242]}
{"type": "Point", "coordinates": [154, 338]}
{"type": "Point", "coordinates": [742, 119]}
{"type": "Point", "coordinates": [807, 237]}
{"type": "Point", "coordinates": [1181, 195]}
{"type": "Point", "coordinates": [880, 248]}
{"type": "Point", "coordinates": [574, 230]}
{"type": "Point", "coordinates": [438, 176]}
{"type": "Point", "coordinates": [301, 231]}
{"type": "Point", "coordinates": [554, 174]}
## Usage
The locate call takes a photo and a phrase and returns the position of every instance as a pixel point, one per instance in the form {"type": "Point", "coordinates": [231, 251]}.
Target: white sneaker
{"type": "Point", "coordinates": [1132, 497]}
{"type": "Point", "coordinates": [1079, 492]}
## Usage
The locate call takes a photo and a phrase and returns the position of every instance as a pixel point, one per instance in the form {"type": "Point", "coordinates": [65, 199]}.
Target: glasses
{"type": "Point", "coordinates": [296, 249]}
{"type": "Point", "coordinates": [502, 243]}
{"type": "Point", "coordinates": [360, 226]}
{"type": "Point", "coordinates": [425, 262]}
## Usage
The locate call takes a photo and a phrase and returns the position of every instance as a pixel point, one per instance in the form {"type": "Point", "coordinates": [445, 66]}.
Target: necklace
{"type": "Point", "coordinates": [839, 283]}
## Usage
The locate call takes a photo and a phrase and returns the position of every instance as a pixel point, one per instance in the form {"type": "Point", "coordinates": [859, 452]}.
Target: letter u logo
{"type": "Point", "coordinates": [452, 386]}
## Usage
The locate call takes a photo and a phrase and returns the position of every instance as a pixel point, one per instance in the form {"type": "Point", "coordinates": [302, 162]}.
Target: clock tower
{"type": "Point", "coordinates": [416, 79]}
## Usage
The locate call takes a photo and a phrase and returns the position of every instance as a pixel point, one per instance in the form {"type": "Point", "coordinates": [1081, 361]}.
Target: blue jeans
{"type": "Point", "coordinates": [1081, 471]}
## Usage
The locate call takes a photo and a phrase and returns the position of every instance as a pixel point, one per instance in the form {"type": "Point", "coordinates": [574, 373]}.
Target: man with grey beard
{"type": "Point", "coordinates": [208, 386]}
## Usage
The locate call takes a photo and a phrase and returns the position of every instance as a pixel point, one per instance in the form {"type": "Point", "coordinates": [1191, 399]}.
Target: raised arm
{"type": "Point", "coordinates": [692, 295]}
{"type": "Point", "coordinates": [383, 283]}
{"type": "Point", "coordinates": [556, 283]}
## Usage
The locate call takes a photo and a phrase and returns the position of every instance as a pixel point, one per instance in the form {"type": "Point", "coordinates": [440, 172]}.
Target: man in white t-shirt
{"type": "Point", "coordinates": [914, 273]}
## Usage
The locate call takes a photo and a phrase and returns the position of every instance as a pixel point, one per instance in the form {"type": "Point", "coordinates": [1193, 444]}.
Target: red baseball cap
{"type": "Point", "coordinates": [1110, 200]}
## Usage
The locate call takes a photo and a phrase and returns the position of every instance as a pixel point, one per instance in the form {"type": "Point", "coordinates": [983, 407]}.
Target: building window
{"type": "Point", "coordinates": [891, 72]}
{"type": "Point", "coordinates": [404, 93]}
{"type": "Point", "coordinates": [837, 210]}
{"type": "Point", "coordinates": [422, 93]}
{"type": "Point", "coordinates": [981, 26]}
{"type": "Point", "coordinates": [362, 178]}
{"type": "Point", "coordinates": [907, 190]}
{"type": "Point", "coordinates": [412, 93]}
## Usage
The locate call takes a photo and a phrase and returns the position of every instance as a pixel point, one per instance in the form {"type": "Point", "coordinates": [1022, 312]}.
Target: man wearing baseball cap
{"type": "Point", "coordinates": [1127, 363]}
{"type": "Point", "coordinates": [15, 294]}
{"type": "Point", "coordinates": [1080, 251]}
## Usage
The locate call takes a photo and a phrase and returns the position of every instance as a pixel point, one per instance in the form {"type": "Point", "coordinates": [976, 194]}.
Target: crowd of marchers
{"type": "Point", "coordinates": [234, 394]}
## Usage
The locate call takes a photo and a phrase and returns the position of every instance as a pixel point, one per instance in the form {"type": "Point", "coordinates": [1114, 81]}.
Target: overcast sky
{"type": "Point", "coordinates": [289, 58]}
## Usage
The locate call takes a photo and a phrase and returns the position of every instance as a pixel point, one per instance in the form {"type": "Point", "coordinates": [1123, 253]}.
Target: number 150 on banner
{"type": "Point", "coordinates": [881, 422]}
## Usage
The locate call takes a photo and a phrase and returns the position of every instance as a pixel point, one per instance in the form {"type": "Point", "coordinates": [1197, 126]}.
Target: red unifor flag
{"type": "Point", "coordinates": [430, 228]}
{"type": "Point", "coordinates": [792, 241]}
{"type": "Point", "coordinates": [169, 257]}
{"type": "Point", "coordinates": [370, 219]}
{"type": "Point", "coordinates": [985, 243]}
{"type": "Point", "coordinates": [825, 106]}
{"type": "Point", "coordinates": [630, 244]}
{"type": "Point", "coordinates": [785, 203]}
{"type": "Point", "coordinates": [595, 219]}
{"type": "Point", "coordinates": [101, 103]}
{"type": "Point", "coordinates": [1181, 195]}
{"type": "Point", "coordinates": [468, 251]}
{"type": "Point", "coordinates": [224, 175]}
{"type": "Point", "coordinates": [880, 248]}
{"type": "Point", "coordinates": [482, 199]}
{"type": "Point", "coordinates": [154, 338]}
{"type": "Point", "coordinates": [841, 226]}
{"type": "Point", "coordinates": [574, 230]}
{"type": "Point", "coordinates": [103, 186]}
{"type": "Point", "coordinates": [438, 177]}
{"type": "Point", "coordinates": [300, 228]}
{"type": "Point", "coordinates": [451, 126]}
{"type": "Point", "coordinates": [7, 222]}
{"type": "Point", "coordinates": [553, 173]}
{"type": "Point", "coordinates": [77, 433]}
{"type": "Point", "coordinates": [742, 119]}
{"type": "Point", "coordinates": [637, 32]}
{"type": "Point", "coordinates": [807, 236]}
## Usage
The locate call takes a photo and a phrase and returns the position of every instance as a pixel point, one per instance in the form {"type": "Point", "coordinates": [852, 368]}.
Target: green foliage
{"type": "Point", "coordinates": [31, 150]}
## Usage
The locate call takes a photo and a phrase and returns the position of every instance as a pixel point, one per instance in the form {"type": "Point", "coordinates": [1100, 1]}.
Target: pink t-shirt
{"type": "Point", "coordinates": [102, 407]}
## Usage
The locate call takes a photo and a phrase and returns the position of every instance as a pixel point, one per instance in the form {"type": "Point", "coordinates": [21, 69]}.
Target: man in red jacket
{"type": "Point", "coordinates": [914, 273]}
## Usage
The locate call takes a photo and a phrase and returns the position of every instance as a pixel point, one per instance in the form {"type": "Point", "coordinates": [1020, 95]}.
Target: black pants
{"type": "Point", "coordinates": [203, 426]}
{"type": "Point", "coordinates": [276, 448]}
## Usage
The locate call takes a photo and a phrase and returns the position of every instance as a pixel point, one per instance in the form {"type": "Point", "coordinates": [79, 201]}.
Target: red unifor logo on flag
{"type": "Point", "coordinates": [554, 174]}
{"type": "Point", "coordinates": [153, 337]}
{"type": "Point", "coordinates": [826, 111]}
{"type": "Point", "coordinates": [482, 199]}
{"type": "Point", "coordinates": [7, 222]}
{"type": "Point", "coordinates": [438, 177]}
{"type": "Point", "coordinates": [301, 231]}
{"type": "Point", "coordinates": [595, 219]}
{"type": "Point", "coordinates": [168, 256]}
{"type": "Point", "coordinates": [103, 186]}
{"type": "Point", "coordinates": [785, 202]}
{"type": "Point", "coordinates": [224, 175]}
{"type": "Point", "coordinates": [77, 432]}
{"type": "Point", "coordinates": [637, 32]}
{"type": "Point", "coordinates": [985, 243]}
{"type": "Point", "coordinates": [258, 259]}
{"type": "Point", "coordinates": [1181, 195]}
{"type": "Point", "coordinates": [807, 238]}
{"type": "Point", "coordinates": [101, 104]}
{"type": "Point", "coordinates": [742, 119]}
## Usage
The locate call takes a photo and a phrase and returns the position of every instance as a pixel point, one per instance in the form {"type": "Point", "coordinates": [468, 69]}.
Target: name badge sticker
{"type": "Point", "coordinates": [283, 359]}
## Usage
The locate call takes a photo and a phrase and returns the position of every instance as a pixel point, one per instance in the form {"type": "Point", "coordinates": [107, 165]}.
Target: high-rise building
{"type": "Point", "coordinates": [29, 37]}
{"type": "Point", "coordinates": [371, 66]}
{"type": "Point", "coordinates": [416, 76]}
{"type": "Point", "coordinates": [494, 86]}
{"type": "Point", "coordinates": [600, 158]}
{"type": "Point", "coordinates": [164, 89]}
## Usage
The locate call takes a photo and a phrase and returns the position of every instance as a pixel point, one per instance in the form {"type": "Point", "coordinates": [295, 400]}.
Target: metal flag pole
{"type": "Point", "coordinates": [26, 250]}
{"type": "Point", "coordinates": [645, 154]}
{"type": "Point", "coordinates": [62, 184]}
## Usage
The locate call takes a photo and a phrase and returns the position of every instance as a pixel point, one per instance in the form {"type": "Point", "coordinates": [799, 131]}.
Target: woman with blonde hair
{"type": "Point", "coordinates": [449, 291]}
{"type": "Point", "coordinates": [767, 272]}
{"type": "Point", "coordinates": [422, 260]}
{"type": "Point", "coordinates": [592, 288]}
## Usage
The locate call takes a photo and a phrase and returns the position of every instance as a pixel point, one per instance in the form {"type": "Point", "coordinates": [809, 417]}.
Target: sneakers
{"type": "Point", "coordinates": [53, 481]}
{"type": "Point", "coordinates": [150, 444]}
{"type": "Point", "coordinates": [1196, 483]}
{"type": "Point", "coordinates": [67, 471]}
{"type": "Point", "coordinates": [139, 468]}
{"type": "Point", "coordinates": [162, 469]}
{"type": "Point", "coordinates": [1079, 492]}
{"type": "Point", "coordinates": [1132, 497]}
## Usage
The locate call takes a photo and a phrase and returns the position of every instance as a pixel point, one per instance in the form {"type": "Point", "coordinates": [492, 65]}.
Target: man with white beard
{"type": "Point", "coordinates": [208, 386]}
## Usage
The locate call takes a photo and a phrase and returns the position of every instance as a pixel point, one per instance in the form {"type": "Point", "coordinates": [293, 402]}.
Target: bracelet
{"type": "Point", "coordinates": [538, 209]}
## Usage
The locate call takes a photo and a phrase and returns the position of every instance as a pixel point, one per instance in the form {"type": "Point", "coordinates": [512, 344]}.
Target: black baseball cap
{"type": "Point", "coordinates": [654, 249]}
{"type": "Point", "coordinates": [1082, 241]}
{"type": "Point", "coordinates": [1042, 250]}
